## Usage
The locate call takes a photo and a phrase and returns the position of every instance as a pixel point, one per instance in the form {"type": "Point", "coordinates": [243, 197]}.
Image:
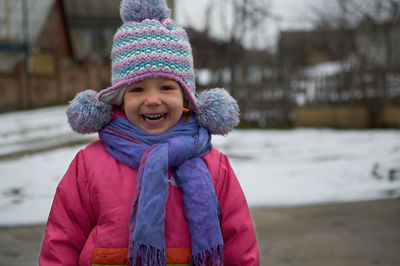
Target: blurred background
{"type": "Point", "coordinates": [288, 63]}
{"type": "Point", "coordinates": [317, 82]}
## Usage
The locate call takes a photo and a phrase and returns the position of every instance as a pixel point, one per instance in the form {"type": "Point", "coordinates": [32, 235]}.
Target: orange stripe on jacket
{"type": "Point", "coordinates": [110, 256]}
{"type": "Point", "coordinates": [118, 256]}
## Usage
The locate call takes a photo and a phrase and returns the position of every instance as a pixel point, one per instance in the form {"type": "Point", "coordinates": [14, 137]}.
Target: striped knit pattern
{"type": "Point", "coordinates": [148, 49]}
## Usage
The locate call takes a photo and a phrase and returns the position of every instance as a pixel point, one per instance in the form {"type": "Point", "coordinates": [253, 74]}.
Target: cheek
{"type": "Point", "coordinates": [129, 104]}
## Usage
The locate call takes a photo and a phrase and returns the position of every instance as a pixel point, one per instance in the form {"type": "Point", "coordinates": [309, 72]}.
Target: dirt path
{"type": "Point", "coordinates": [350, 234]}
{"type": "Point", "coordinates": [20, 245]}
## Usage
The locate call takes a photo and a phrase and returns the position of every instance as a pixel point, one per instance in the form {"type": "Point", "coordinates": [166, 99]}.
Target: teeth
{"type": "Point", "coordinates": [154, 117]}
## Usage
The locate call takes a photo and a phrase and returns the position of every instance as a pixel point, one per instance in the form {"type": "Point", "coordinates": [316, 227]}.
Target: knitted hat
{"type": "Point", "coordinates": [151, 45]}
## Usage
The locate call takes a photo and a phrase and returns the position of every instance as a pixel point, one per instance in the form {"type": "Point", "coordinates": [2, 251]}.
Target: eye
{"type": "Point", "coordinates": [167, 88]}
{"type": "Point", "coordinates": [135, 89]}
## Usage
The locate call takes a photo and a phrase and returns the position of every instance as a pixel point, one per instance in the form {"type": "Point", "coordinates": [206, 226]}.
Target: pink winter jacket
{"type": "Point", "coordinates": [88, 221]}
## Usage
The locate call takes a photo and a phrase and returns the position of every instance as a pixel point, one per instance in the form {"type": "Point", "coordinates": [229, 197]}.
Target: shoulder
{"type": "Point", "coordinates": [95, 155]}
{"type": "Point", "coordinates": [218, 164]}
{"type": "Point", "coordinates": [213, 158]}
{"type": "Point", "coordinates": [95, 150]}
{"type": "Point", "coordinates": [96, 146]}
{"type": "Point", "coordinates": [100, 169]}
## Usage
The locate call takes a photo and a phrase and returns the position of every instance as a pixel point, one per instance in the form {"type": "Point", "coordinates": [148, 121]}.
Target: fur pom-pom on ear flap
{"type": "Point", "coordinates": [139, 10]}
{"type": "Point", "coordinates": [87, 114]}
{"type": "Point", "coordinates": [218, 111]}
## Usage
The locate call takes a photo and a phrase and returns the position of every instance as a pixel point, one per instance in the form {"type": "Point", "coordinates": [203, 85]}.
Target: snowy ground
{"type": "Point", "coordinates": [275, 167]}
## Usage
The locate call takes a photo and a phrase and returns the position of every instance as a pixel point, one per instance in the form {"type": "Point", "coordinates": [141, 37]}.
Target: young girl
{"type": "Point", "coordinates": [152, 190]}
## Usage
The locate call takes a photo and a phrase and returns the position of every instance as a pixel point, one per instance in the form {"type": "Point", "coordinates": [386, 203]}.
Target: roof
{"type": "Point", "coordinates": [87, 13]}
{"type": "Point", "coordinates": [83, 17]}
{"type": "Point", "coordinates": [13, 34]}
{"type": "Point", "coordinates": [92, 8]}
{"type": "Point", "coordinates": [12, 22]}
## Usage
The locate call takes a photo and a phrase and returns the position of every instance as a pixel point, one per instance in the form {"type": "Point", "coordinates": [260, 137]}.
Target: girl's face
{"type": "Point", "coordinates": [154, 105]}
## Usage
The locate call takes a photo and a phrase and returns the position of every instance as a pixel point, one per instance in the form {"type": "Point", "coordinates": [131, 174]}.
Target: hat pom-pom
{"type": "Point", "coordinates": [87, 114]}
{"type": "Point", "coordinates": [218, 111]}
{"type": "Point", "coordinates": [139, 10]}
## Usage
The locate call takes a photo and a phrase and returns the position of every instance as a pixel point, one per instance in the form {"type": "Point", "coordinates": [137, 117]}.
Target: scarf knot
{"type": "Point", "coordinates": [181, 149]}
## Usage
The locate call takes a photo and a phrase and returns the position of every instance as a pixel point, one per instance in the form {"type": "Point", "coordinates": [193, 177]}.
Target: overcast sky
{"type": "Point", "coordinates": [285, 14]}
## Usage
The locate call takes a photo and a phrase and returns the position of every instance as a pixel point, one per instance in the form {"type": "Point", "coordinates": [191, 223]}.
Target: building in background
{"type": "Point", "coordinates": [51, 49]}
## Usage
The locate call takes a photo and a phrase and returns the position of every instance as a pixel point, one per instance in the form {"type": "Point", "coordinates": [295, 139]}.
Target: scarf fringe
{"type": "Point", "coordinates": [213, 257]}
{"type": "Point", "coordinates": [147, 255]}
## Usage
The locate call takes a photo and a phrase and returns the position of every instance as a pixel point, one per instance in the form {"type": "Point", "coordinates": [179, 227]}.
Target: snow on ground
{"type": "Point", "coordinates": [308, 166]}
{"type": "Point", "coordinates": [274, 167]}
{"type": "Point", "coordinates": [35, 130]}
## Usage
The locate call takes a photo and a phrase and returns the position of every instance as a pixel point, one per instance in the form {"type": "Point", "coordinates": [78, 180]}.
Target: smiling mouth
{"type": "Point", "coordinates": [153, 118]}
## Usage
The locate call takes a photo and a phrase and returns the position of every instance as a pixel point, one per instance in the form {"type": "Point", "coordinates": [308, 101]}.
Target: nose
{"type": "Point", "coordinates": [153, 98]}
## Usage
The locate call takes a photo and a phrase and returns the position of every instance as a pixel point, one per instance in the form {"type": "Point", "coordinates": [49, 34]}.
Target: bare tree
{"type": "Point", "coordinates": [252, 70]}
{"type": "Point", "coordinates": [374, 58]}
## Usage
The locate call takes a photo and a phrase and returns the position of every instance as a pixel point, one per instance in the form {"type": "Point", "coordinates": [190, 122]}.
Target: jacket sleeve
{"type": "Point", "coordinates": [240, 244]}
{"type": "Point", "coordinates": [69, 222]}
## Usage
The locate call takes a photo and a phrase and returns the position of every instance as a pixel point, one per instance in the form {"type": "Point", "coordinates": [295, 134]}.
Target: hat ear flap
{"type": "Point", "coordinates": [87, 114]}
{"type": "Point", "coordinates": [218, 111]}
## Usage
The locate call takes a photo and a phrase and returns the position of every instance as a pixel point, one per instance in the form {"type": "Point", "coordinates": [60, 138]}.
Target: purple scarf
{"type": "Point", "coordinates": [181, 149]}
